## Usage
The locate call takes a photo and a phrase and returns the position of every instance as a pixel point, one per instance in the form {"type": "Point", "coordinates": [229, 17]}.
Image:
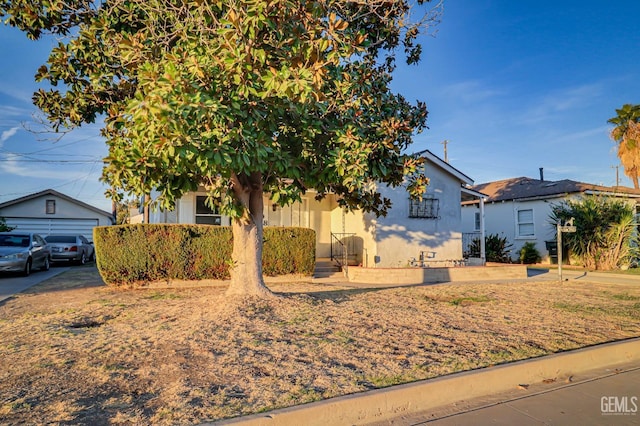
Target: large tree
{"type": "Point", "coordinates": [244, 97]}
{"type": "Point", "coordinates": [626, 134]}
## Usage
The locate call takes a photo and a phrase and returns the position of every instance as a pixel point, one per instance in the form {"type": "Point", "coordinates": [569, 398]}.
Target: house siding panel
{"type": "Point", "coordinates": [400, 238]}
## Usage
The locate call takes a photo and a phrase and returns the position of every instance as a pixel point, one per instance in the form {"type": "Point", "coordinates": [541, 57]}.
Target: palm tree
{"type": "Point", "coordinates": [626, 133]}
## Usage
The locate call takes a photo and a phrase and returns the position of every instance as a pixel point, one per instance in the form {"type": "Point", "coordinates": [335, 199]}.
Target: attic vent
{"type": "Point", "coordinates": [50, 207]}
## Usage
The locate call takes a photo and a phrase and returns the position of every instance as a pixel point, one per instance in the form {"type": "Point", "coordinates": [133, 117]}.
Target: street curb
{"type": "Point", "coordinates": [389, 403]}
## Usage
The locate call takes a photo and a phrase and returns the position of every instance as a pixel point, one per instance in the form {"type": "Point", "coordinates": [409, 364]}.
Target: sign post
{"type": "Point", "coordinates": [569, 228]}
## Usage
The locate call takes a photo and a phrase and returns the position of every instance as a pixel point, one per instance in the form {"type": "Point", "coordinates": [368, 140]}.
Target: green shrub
{"type": "Point", "coordinates": [288, 251]}
{"type": "Point", "coordinates": [138, 254]}
{"type": "Point", "coordinates": [496, 248]}
{"type": "Point", "coordinates": [529, 253]}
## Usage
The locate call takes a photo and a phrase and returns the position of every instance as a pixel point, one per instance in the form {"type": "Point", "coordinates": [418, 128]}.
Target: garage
{"type": "Point", "coordinates": [46, 227]}
{"type": "Point", "coordinates": [50, 212]}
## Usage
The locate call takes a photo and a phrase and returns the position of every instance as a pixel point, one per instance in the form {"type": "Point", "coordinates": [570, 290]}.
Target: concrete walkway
{"type": "Point", "coordinates": [546, 390]}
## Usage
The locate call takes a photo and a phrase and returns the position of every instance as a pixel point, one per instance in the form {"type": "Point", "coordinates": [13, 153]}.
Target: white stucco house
{"type": "Point", "coordinates": [51, 212]}
{"type": "Point", "coordinates": [519, 208]}
{"type": "Point", "coordinates": [428, 232]}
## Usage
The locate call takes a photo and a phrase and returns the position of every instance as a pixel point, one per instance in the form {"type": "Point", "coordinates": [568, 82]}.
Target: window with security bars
{"type": "Point", "coordinates": [425, 208]}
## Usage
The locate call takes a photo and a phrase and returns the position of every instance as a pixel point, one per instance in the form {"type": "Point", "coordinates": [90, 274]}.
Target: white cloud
{"type": "Point", "coordinates": [470, 91]}
{"type": "Point", "coordinates": [18, 93]}
{"type": "Point", "coordinates": [553, 104]}
{"type": "Point", "coordinates": [10, 165]}
{"type": "Point", "coordinates": [601, 132]}
{"type": "Point", "coordinates": [7, 134]}
{"type": "Point", "coordinates": [14, 111]}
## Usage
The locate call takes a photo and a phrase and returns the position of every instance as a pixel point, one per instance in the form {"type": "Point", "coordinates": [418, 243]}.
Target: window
{"type": "Point", "coordinates": [525, 223]}
{"type": "Point", "coordinates": [38, 239]}
{"type": "Point", "coordinates": [476, 221]}
{"type": "Point", "coordinates": [426, 208]}
{"type": "Point", "coordinates": [50, 207]}
{"type": "Point", "coordinates": [204, 214]}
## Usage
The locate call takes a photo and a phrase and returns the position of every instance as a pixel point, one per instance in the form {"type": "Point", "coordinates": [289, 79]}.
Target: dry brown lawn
{"type": "Point", "coordinates": [76, 352]}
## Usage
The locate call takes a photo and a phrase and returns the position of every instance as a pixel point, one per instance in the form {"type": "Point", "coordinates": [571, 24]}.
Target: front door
{"type": "Point", "coordinates": [296, 214]}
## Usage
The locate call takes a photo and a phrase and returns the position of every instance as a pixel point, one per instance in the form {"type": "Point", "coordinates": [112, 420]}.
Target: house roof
{"type": "Point", "coordinates": [52, 192]}
{"type": "Point", "coordinates": [526, 188]}
{"type": "Point", "coordinates": [464, 179]}
{"type": "Point", "coordinates": [468, 195]}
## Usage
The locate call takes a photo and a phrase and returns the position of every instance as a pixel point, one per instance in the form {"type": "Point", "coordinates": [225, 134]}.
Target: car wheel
{"type": "Point", "coordinates": [27, 268]}
{"type": "Point", "coordinates": [46, 265]}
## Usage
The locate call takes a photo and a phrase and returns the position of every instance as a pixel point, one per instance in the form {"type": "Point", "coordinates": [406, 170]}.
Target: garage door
{"type": "Point", "coordinates": [46, 227]}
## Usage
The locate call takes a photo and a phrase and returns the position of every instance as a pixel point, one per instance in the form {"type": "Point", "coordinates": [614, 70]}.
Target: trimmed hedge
{"type": "Point", "coordinates": [136, 254]}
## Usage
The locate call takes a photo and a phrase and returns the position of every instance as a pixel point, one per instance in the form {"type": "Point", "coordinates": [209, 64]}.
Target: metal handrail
{"type": "Point", "coordinates": [340, 250]}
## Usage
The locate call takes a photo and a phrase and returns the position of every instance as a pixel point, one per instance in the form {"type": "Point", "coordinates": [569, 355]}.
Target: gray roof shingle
{"type": "Point", "coordinates": [524, 187]}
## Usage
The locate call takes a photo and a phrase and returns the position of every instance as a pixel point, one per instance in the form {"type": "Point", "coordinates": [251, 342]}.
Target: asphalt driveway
{"type": "Point", "coordinates": [12, 284]}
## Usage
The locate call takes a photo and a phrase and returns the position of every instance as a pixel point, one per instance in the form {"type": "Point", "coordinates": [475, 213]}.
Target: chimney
{"type": "Point", "coordinates": [541, 173]}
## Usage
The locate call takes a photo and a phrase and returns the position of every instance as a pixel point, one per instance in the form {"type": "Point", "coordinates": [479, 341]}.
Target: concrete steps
{"type": "Point", "coordinates": [326, 268]}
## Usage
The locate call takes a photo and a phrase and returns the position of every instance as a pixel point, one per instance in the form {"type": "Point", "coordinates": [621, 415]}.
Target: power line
{"type": "Point", "coordinates": [62, 145]}
{"type": "Point", "coordinates": [28, 160]}
{"type": "Point", "coordinates": [25, 158]}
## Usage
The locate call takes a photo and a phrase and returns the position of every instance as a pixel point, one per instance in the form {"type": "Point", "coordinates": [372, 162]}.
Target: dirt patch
{"type": "Point", "coordinates": [75, 351]}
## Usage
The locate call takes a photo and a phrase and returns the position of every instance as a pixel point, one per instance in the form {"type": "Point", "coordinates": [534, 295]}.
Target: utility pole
{"type": "Point", "coordinates": [446, 157]}
{"type": "Point", "coordinates": [617, 174]}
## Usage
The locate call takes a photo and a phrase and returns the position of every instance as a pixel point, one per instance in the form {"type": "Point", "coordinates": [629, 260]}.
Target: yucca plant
{"type": "Point", "coordinates": [497, 248]}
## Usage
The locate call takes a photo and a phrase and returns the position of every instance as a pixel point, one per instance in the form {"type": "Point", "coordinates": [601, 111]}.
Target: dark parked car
{"type": "Point", "coordinates": [70, 248]}
{"type": "Point", "coordinates": [23, 251]}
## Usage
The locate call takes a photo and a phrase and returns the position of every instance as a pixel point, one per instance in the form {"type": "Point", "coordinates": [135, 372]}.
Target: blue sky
{"type": "Point", "coordinates": [512, 85]}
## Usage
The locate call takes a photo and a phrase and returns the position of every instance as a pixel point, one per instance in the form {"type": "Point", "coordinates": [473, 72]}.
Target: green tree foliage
{"type": "Point", "coordinates": [241, 96]}
{"type": "Point", "coordinates": [605, 237]}
{"type": "Point", "coordinates": [626, 134]}
{"type": "Point", "coordinates": [3, 225]}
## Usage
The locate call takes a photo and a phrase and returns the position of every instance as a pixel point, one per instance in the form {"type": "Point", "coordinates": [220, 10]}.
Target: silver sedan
{"type": "Point", "coordinates": [23, 251]}
{"type": "Point", "coordinates": [70, 248]}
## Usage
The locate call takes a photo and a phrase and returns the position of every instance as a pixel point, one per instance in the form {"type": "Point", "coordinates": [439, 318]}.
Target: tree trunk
{"type": "Point", "coordinates": [635, 181]}
{"type": "Point", "coordinates": [246, 273]}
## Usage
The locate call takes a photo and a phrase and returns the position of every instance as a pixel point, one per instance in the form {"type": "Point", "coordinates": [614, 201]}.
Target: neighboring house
{"type": "Point", "coordinates": [429, 232]}
{"type": "Point", "coordinates": [51, 212]}
{"type": "Point", "coordinates": [519, 208]}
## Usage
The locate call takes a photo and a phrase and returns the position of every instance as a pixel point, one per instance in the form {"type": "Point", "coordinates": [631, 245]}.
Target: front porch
{"type": "Point", "coordinates": [327, 269]}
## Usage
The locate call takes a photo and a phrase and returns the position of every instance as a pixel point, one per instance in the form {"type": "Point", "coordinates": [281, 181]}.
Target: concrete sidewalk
{"type": "Point", "coordinates": [525, 385]}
